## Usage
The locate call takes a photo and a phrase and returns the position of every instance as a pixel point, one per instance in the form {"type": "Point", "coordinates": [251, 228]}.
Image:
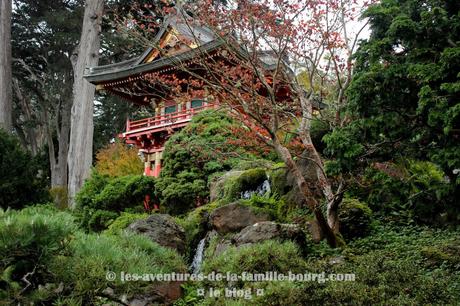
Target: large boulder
{"type": "Point", "coordinates": [217, 185]}
{"type": "Point", "coordinates": [234, 217]}
{"type": "Point", "coordinates": [267, 230]}
{"type": "Point", "coordinates": [235, 185]}
{"type": "Point", "coordinates": [162, 229]}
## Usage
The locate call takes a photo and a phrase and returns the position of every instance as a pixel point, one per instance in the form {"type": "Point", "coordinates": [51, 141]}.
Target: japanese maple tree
{"type": "Point", "coordinates": [275, 61]}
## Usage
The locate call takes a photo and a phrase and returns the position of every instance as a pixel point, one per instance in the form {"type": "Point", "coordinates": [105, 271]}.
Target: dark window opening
{"type": "Point", "coordinates": [196, 103]}
{"type": "Point", "coordinates": [170, 109]}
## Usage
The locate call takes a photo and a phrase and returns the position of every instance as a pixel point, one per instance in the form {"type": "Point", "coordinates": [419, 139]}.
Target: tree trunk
{"type": "Point", "coordinates": [29, 134]}
{"type": "Point", "coordinates": [81, 132]}
{"type": "Point", "coordinates": [58, 164]}
{"type": "Point", "coordinates": [306, 192]}
{"type": "Point", "coordinates": [6, 95]}
{"type": "Point", "coordinates": [333, 201]}
{"type": "Point", "coordinates": [59, 177]}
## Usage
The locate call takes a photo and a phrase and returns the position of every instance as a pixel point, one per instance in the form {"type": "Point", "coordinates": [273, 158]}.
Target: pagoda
{"type": "Point", "coordinates": [176, 42]}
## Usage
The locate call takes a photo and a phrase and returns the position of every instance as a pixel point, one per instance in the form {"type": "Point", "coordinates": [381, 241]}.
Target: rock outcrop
{"type": "Point", "coordinates": [234, 217]}
{"type": "Point", "coordinates": [266, 230]}
{"type": "Point", "coordinates": [162, 229]}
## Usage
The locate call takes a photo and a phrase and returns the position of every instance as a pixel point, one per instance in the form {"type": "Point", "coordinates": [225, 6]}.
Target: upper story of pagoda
{"type": "Point", "coordinates": [141, 80]}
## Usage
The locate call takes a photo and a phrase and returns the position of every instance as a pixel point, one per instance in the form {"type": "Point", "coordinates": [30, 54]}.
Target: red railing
{"type": "Point", "coordinates": [165, 119]}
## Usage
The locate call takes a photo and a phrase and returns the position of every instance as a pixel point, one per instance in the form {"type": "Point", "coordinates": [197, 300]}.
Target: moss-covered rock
{"type": "Point", "coordinates": [355, 218]}
{"type": "Point", "coordinates": [234, 217]}
{"type": "Point", "coordinates": [230, 186]}
{"type": "Point", "coordinates": [123, 221]}
{"type": "Point", "coordinates": [162, 229]}
{"type": "Point", "coordinates": [195, 225]}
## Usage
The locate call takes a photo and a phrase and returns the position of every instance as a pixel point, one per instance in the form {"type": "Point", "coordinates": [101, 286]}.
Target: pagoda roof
{"type": "Point", "coordinates": [199, 38]}
{"type": "Point", "coordinates": [132, 67]}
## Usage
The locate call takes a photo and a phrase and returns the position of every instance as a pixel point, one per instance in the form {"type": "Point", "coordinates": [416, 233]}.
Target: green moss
{"type": "Point", "coordinates": [248, 180]}
{"type": "Point", "coordinates": [278, 180]}
{"type": "Point", "coordinates": [355, 218]}
{"type": "Point", "coordinates": [447, 255]}
{"type": "Point", "coordinates": [194, 224]}
{"type": "Point", "coordinates": [123, 221]}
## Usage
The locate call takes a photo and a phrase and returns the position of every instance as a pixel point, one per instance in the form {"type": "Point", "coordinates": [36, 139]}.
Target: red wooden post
{"type": "Point", "coordinates": [148, 169]}
{"type": "Point", "coordinates": [147, 202]}
{"type": "Point", "coordinates": [157, 169]}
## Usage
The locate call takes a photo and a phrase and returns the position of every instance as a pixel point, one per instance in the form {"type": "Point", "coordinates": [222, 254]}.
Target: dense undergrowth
{"type": "Point", "coordinates": [395, 265]}
{"type": "Point", "coordinates": [46, 258]}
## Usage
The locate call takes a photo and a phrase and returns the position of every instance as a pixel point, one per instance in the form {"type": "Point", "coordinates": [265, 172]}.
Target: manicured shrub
{"type": "Point", "coordinates": [94, 255]}
{"type": "Point", "coordinates": [191, 156]}
{"type": "Point", "coordinates": [20, 181]}
{"type": "Point", "coordinates": [179, 194]}
{"type": "Point", "coordinates": [64, 266]}
{"type": "Point", "coordinates": [102, 198]}
{"type": "Point", "coordinates": [123, 221]}
{"type": "Point", "coordinates": [92, 187]}
{"type": "Point", "coordinates": [208, 145]}
{"type": "Point", "coordinates": [355, 218]}
{"type": "Point", "coordinates": [29, 240]}
{"type": "Point", "coordinates": [115, 194]}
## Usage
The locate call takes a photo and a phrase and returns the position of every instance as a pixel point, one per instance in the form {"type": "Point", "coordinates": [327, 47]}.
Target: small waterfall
{"type": "Point", "coordinates": [198, 258]}
{"type": "Point", "coordinates": [261, 190]}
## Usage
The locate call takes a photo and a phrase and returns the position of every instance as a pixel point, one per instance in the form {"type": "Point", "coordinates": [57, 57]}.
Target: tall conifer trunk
{"type": "Point", "coordinates": [6, 83]}
{"type": "Point", "coordinates": [82, 128]}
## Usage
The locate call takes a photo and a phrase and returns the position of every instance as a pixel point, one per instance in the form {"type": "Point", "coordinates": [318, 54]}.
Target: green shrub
{"type": "Point", "coordinates": [270, 255]}
{"type": "Point", "coordinates": [65, 266]}
{"type": "Point", "coordinates": [92, 256]}
{"type": "Point", "coordinates": [102, 199]}
{"type": "Point", "coordinates": [115, 194]}
{"type": "Point", "coordinates": [29, 240]}
{"type": "Point", "coordinates": [123, 221]}
{"type": "Point", "coordinates": [355, 218]}
{"type": "Point", "coordinates": [208, 145]}
{"type": "Point", "coordinates": [408, 191]}
{"type": "Point", "coordinates": [92, 187]}
{"type": "Point", "coordinates": [20, 182]}
{"type": "Point", "coordinates": [179, 195]}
